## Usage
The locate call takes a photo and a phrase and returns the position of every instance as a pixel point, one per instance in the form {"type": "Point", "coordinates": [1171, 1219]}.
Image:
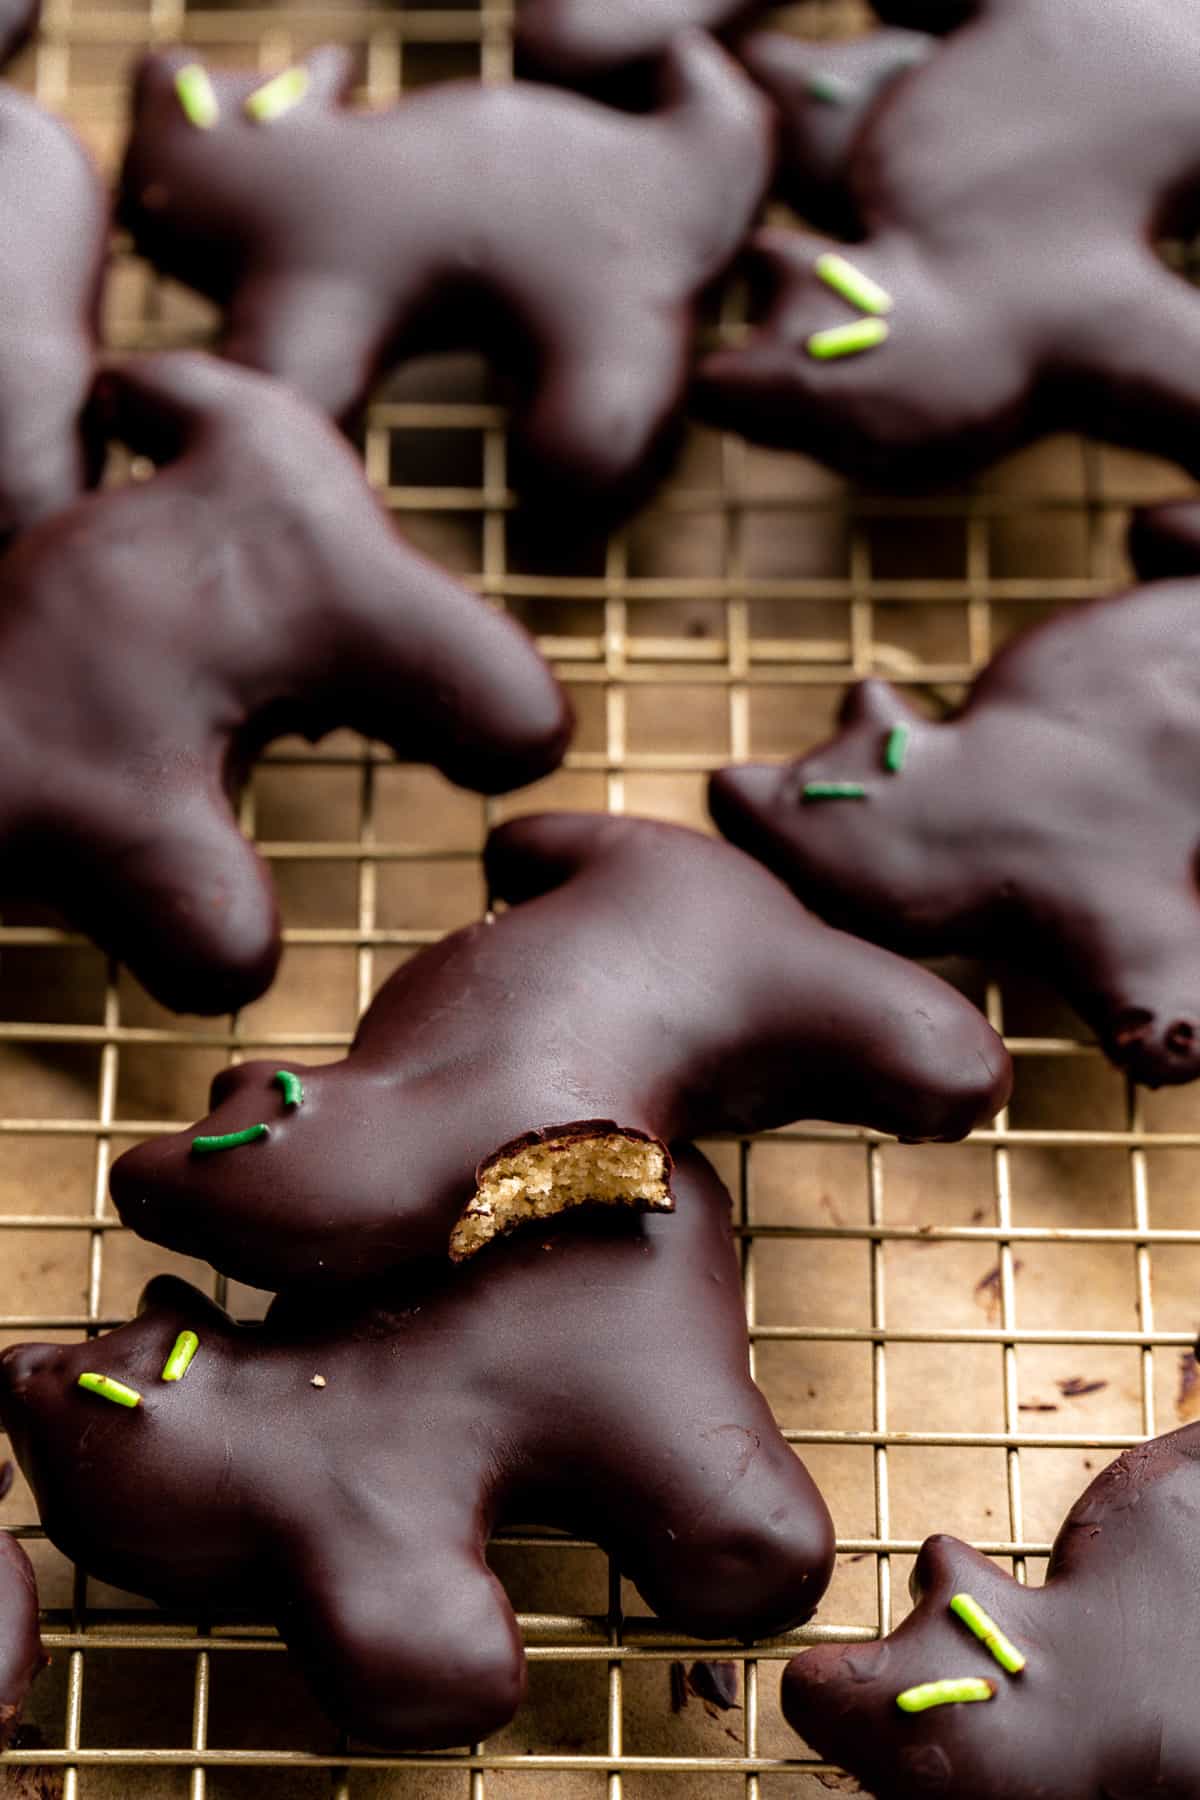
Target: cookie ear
{"type": "Point", "coordinates": [169, 1296]}
{"type": "Point", "coordinates": [165, 406]}
{"type": "Point", "coordinates": [154, 76]}
{"type": "Point", "coordinates": [876, 703]}
{"type": "Point", "coordinates": [331, 72]}
{"type": "Point", "coordinates": [945, 1566]}
{"type": "Point", "coordinates": [532, 856]}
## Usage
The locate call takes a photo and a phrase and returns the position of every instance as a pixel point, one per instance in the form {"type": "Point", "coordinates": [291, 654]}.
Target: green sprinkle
{"type": "Point", "coordinates": [833, 89]}
{"type": "Point", "coordinates": [293, 1088]}
{"type": "Point", "coordinates": [204, 1146]}
{"type": "Point", "coordinates": [180, 1359]}
{"type": "Point", "coordinates": [110, 1389]}
{"type": "Point", "coordinates": [197, 96]}
{"type": "Point", "coordinates": [847, 340]}
{"type": "Point", "coordinates": [964, 1607]}
{"type": "Point", "coordinates": [278, 95]}
{"type": "Point", "coordinates": [839, 273]}
{"type": "Point", "coordinates": [953, 1692]}
{"type": "Point", "coordinates": [834, 790]}
{"type": "Point", "coordinates": [895, 749]}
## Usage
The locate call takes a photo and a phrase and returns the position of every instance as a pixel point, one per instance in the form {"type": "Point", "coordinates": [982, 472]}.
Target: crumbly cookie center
{"type": "Point", "coordinates": [549, 1177]}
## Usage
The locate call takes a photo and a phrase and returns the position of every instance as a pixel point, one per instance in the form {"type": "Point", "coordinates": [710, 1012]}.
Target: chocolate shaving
{"type": "Point", "coordinates": [7, 1473]}
{"type": "Point", "coordinates": [987, 1288]}
{"type": "Point", "coordinates": [1038, 1406]}
{"type": "Point", "coordinates": [716, 1683]}
{"type": "Point", "coordinates": [1076, 1386]}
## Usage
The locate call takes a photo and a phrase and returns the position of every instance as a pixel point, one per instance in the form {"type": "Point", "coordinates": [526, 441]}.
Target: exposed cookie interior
{"type": "Point", "coordinates": [535, 1181]}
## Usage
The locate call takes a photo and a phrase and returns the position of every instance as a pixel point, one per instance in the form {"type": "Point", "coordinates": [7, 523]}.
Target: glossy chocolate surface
{"type": "Point", "coordinates": [21, 1653]}
{"type": "Point", "coordinates": [1105, 1707]}
{"type": "Point", "coordinates": [153, 637]}
{"type": "Point", "coordinates": [567, 240]}
{"type": "Point", "coordinates": [1010, 192]}
{"type": "Point", "coordinates": [593, 1375]}
{"type": "Point", "coordinates": [1053, 822]}
{"type": "Point", "coordinates": [643, 974]}
{"type": "Point", "coordinates": [54, 217]}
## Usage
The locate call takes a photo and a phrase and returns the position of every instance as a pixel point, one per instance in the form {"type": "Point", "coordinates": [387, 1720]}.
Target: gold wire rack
{"type": "Point", "coordinates": [953, 1338]}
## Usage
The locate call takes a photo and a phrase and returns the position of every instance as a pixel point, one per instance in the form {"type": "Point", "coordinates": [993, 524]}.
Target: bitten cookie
{"type": "Point", "coordinates": [647, 983]}
{"type": "Point", "coordinates": [1010, 191]}
{"type": "Point", "coordinates": [54, 217]}
{"type": "Point", "coordinates": [1079, 1690]}
{"type": "Point", "coordinates": [153, 637]}
{"type": "Point", "coordinates": [569, 241]}
{"type": "Point", "coordinates": [1054, 820]}
{"type": "Point", "coordinates": [342, 1471]}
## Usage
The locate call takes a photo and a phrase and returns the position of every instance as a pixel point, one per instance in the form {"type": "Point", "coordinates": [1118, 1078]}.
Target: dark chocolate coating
{"type": "Point", "coordinates": [644, 974]}
{"type": "Point", "coordinates": [18, 22]}
{"type": "Point", "coordinates": [1053, 821]}
{"type": "Point", "coordinates": [577, 40]}
{"type": "Point", "coordinates": [1105, 1708]}
{"type": "Point", "coordinates": [54, 217]}
{"type": "Point", "coordinates": [1011, 189]}
{"type": "Point", "coordinates": [593, 1375]}
{"type": "Point", "coordinates": [153, 637]}
{"type": "Point", "coordinates": [569, 241]}
{"type": "Point", "coordinates": [21, 1653]}
{"type": "Point", "coordinates": [825, 92]}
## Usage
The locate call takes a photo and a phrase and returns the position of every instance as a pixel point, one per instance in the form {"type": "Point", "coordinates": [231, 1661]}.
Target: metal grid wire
{"type": "Point", "coordinates": [723, 624]}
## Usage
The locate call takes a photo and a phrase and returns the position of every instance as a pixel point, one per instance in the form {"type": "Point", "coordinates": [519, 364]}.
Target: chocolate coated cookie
{"type": "Point", "coordinates": [647, 983]}
{"type": "Point", "coordinates": [54, 226]}
{"type": "Point", "coordinates": [569, 241]}
{"type": "Point", "coordinates": [1054, 820]}
{"type": "Point", "coordinates": [1010, 192]}
{"type": "Point", "coordinates": [21, 1653]}
{"type": "Point", "coordinates": [1103, 1707]}
{"type": "Point", "coordinates": [342, 1470]}
{"type": "Point", "coordinates": [153, 637]}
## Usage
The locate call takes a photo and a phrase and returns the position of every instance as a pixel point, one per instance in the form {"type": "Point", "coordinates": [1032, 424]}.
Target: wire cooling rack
{"type": "Point", "coordinates": [953, 1338]}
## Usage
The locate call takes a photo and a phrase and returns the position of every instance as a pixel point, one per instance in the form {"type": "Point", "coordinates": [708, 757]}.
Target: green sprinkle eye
{"type": "Point", "coordinates": [847, 340]}
{"type": "Point", "coordinates": [840, 274]}
{"type": "Point", "coordinates": [832, 89]}
{"type": "Point", "coordinates": [278, 95]}
{"type": "Point", "coordinates": [291, 1086]}
{"type": "Point", "coordinates": [204, 1146]}
{"type": "Point", "coordinates": [197, 96]}
{"type": "Point", "coordinates": [834, 790]}
{"type": "Point", "coordinates": [180, 1359]}
{"type": "Point", "coordinates": [108, 1388]}
{"type": "Point", "coordinates": [953, 1692]}
{"type": "Point", "coordinates": [985, 1628]}
{"type": "Point", "coordinates": [895, 749]}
